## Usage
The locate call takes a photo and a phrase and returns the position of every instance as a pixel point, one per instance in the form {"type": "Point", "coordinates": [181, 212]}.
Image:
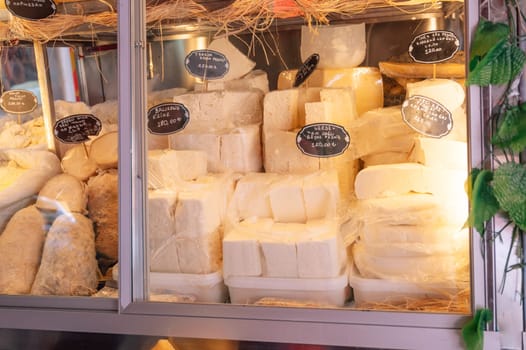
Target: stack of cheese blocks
{"type": "Point", "coordinates": [284, 239]}
{"type": "Point", "coordinates": [412, 213]}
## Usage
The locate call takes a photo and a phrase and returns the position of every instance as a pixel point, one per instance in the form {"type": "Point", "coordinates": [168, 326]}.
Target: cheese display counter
{"type": "Point", "coordinates": [281, 171]}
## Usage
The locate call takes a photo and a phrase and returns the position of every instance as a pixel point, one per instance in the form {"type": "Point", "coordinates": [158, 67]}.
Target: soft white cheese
{"type": "Point", "coordinates": [197, 212]}
{"type": "Point", "coordinates": [199, 255]}
{"type": "Point", "coordinates": [256, 79]}
{"type": "Point", "coordinates": [282, 154]}
{"type": "Point", "coordinates": [241, 254]}
{"type": "Point", "coordinates": [161, 217]}
{"type": "Point", "coordinates": [279, 255]}
{"type": "Point", "coordinates": [385, 158]}
{"type": "Point", "coordinates": [286, 200]}
{"type": "Point", "coordinates": [438, 153]}
{"type": "Point", "coordinates": [447, 92]}
{"type": "Point", "coordinates": [167, 167]}
{"type": "Point", "coordinates": [321, 195]}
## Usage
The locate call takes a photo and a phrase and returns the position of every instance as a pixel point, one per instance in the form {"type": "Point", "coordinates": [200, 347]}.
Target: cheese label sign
{"type": "Point", "coordinates": [18, 101]}
{"type": "Point", "coordinates": [306, 69]}
{"type": "Point", "coordinates": [77, 128]}
{"type": "Point", "coordinates": [167, 118]}
{"type": "Point", "coordinates": [322, 140]}
{"type": "Point", "coordinates": [31, 9]}
{"type": "Point", "coordinates": [207, 64]}
{"type": "Point", "coordinates": [427, 116]}
{"type": "Point", "coordinates": [434, 46]}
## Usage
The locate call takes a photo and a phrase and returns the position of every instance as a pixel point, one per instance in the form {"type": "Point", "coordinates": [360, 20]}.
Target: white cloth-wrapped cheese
{"type": "Point", "coordinates": [21, 250]}
{"type": "Point", "coordinates": [76, 162]}
{"type": "Point", "coordinates": [239, 64]}
{"type": "Point", "coordinates": [29, 134]}
{"type": "Point", "coordinates": [68, 266]}
{"type": "Point", "coordinates": [63, 193]}
{"type": "Point", "coordinates": [104, 151]}
{"type": "Point", "coordinates": [339, 46]}
{"type": "Point", "coordinates": [23, 172]}
{"type": "Point", "coordinates": [167, 168]}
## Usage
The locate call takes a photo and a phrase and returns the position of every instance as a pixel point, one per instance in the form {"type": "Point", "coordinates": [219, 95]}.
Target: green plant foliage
{"type": "Point", "coordinates": [500, 65]}
{"type": "Point", "coordinates": [509, 187]}
{"type": "Point", "coordinates": [473, 331]}
{"type": "Point", "coordinates": [511, 131]}
{"type": "Point", "coordinates": [483, 202]}
{"type": "Point", "coordinates": [487, 35]}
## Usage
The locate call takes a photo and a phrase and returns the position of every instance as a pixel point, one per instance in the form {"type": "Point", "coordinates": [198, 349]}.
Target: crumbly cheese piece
{"type": "Point", "coordinates": [167, 168]}
{"type": "Point", "coordinates": [281, 110]}
{"type": "Point", "coordinates": [165, 258]}
{"type": "Point", "coordinates": [251, 197]}
{"type": "Point", "coordinates": [385, 158]}
{"type": "Point", "coordinates": [438, 153]}
{"type": "Point", "coordinates": [287, 201]}
{"type": "Point", "coordinates": [200, 256]}
{"type": "Point", "coordinates": [197, 212]}
{"type": "Point", "coordinates": [380, 130]}
{"type": "Point", "coordinates": [447, 92]}
{"type": "Point", "coordinates": [321, 195]}
{"type": "Point", "coordinates": [241, 253]}
{"type": "Point", "coordinates": [339, 46]}
{"type": "Point", "coordinates": [256, 79]}
{"type": "Point", "coordinates": [222, 109]}
{"type": "Point", "coordinates": [239, 64]}
{"type": "Point", "coordinates": [76, 162]}
{"type": "Point", "coordinates": [282, 154]}
{"type": "Point", "coordinates": [104, 151]}
{"type": "Point", "coordinates": [161, 217]}
{"type": "Point", "coordinates": [280, 254]}
{"type": "Point", "coordinates": [63, 193]}
{"type": "Point", "coordinates": [321, 254]}
{"type": "Point", "coordinates": [341, 106]}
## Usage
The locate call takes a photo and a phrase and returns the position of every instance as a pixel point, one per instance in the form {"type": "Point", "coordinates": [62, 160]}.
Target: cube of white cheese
{"type": "Point", "coordinates": [165, 258]}
{"type": "Point", "coordinates": [208, 142]}
{"type": "Point", "coordinates": [200, 255]}
{"type": "Point", "coordinates": [286, 200]}
{"type": "Point", "coordinates": [161, 217]}
{"type": "Point", "coordinates": [385, 158]}
{"type": "Point", "coordinates": [241, 254]}
{"type": "Point", "coordinates": [256, 79]}
{"type": "Point", "coordinates": [197, 212]}
{"type": "Point", "coordinates": [341, 106]}
{"type": "Point", "coordinates": [282, 154]}
{"type": "Point", "coordinates": [279, 255]}
{"type": "Point", "coordinates": [241, 149]}
{"type": "Point", "coordinates": [321, 195]}
{"type": "Point", "coordinates": [280, 110]}
{"type": "Point", "coordinates": [167, 167]}
{"type": "Point", "coordinates": [239, 64]}
{"type": "Point", "coordinates": [439, 153]}
{"type": "Point", "coordinates": [251, 197]}
{"type": "Point", "coordinates": [321, 255]}
{"type": "Point", "coordinates": [339, 46]}
{"type": "Point", "coordinates": [447, 92]}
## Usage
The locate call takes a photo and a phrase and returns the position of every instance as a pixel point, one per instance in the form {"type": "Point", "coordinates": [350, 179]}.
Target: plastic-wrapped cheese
{"type": "Point", "coordinates": [256, 79]}
{"type": "Point", "coordinates": [339, 46]}
{"type": "Point", "coordinates": [167, 168]}
{"type": "Point", "coordinates": [366, 83]}
{"type": "Point", "coordinates": [239, 64]}
{"type": "Point", "coordinates": [63, 193]}
{"type": "Point", "coordinates": [447, 92]}
{"type": "Point", "coordinates": [104, 151]}
{"type": "Point", "coordinates": [438, 153]}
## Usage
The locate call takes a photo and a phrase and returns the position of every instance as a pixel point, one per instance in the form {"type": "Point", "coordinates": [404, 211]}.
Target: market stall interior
{"type": "Point", "coordinates": [297, 154]}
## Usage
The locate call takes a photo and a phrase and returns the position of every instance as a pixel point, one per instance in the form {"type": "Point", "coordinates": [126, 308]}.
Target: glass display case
{"type": "Point", "coordinates": [277, 171]}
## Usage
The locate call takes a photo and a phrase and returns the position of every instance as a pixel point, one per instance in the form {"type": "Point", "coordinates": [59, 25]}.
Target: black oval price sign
{"type": "Point", "coordinates": [31, 9]}
{"type": "Point", "coordinates": [77, 128]}
{"type": "Point", "coordinates": [167, 118]}
{"type": "Point", "coordinates": [427, 116]}
{"type": "Point", "coordinates": [434, 46]}
{"type": "Point", "coordinates": [306, 69]}
{"type": "Point", "coordinates": [18, 101]}
{"type": "Point", "coordinates": [323, 140]}
{"type": "Point", "coordinates": [207, 64]}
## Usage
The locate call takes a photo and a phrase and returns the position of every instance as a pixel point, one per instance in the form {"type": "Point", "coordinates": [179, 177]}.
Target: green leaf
{"type": "Point", "coordinates": [483, 202]}
{"type": "Point", "coordinates": [487, 35]}
{"type": "Point", "coordinates": [509, 187]}
{"type": "Point", "coordinates": [500, 65]}
{"type": "Point", "coordinates": [473, 331]}
{"type": "Point", "coordinates": [511, 131]}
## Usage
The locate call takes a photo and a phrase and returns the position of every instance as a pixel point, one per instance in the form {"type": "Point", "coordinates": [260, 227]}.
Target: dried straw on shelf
{"type": "Point", "coordinates": [236, 16]}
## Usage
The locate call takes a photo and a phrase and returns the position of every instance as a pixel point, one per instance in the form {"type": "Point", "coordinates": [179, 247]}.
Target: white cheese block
{"type": "Point", "coordinates": [163, 96]}
{"type": "Point", "coordinates": [339, 46]}
{"type": "Point", "coordinates": [439, 153]}
{"type": "Point", "coordinates": [241, 254]}
{"type": "Point", "coordinates": [224, 184]}
{"type": "Point", "coordinates": [197, 212]}
{"type": "Point", "coordinates": [408, 234]}
{"type": "Point", "coordinates": [287, 201]}
{"type": "Point", "coordinates": [321, 255]}
{"type": "Point", "coordinates": [239, 64]}
{"type": "Point", "coordinates": [341, 106]}
{"type": "Point", "coordinates": [460, 126]}
{"type": "Point", "coordinates": [321, 195]}
{"type": "Point", "coordinates": [161, 217]}
{"type": "Point", "coordinates": [282, 154]}
{"type": "Point", "coordinates": [385, 158]}
{"type": "Point", "coordinates": [165, 258]}
{"type": "Point", "coordinates": [237, 149]}
{"type": "Point", "coordinates": [167, 167]}
{"type": "Point", "coordinates": [104, 150]}
{"type": "Point", "coordinates": [281, 110]}
{"type": "Point", "coordinates": [256, 79]}
{"type": "Point", "coordinates": [107, 112]}
{"type": "Point", "coordinates": [222, 109]}
{"type": "Point", "coordinates": [279, 256]}
{"type": "Point", "coordinates": [447, 92]}
{"type": "Point", "coordinates": [251, 198]}
{"type": "Point", "coordinates": [345, 167]}
{"type": "Point", "coordinates": [366, 82]}
{"type": "Point", "coordinates": [63, 193]}
{"type": "Point", "coordinates": [199, 255]}
{"type": "Point", "coordinates": [76, 162]}
{"type": "Point", "coordinates": [380, 130]}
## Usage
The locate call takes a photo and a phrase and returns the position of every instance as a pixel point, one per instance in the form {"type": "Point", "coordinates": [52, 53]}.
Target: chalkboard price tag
{"type": "Point", "coordinates": [167, 118]}
{"type": "Point", "coordinates": [207, 64]}
{"type": "Point", "coordinates": [18, 101]}
{"type": "Point", "coordinates": [323, 140]}
{"type": "Point", "coordinates": [434, 46]}
{"type": "Point", "coordinates": [77, 128]}
{"type": "Point", "coordinates": [306, 69]}
{"type": "Point", "coordinates": [31, 9]}
{"type": "Point", "coordinates": [427, 116]}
